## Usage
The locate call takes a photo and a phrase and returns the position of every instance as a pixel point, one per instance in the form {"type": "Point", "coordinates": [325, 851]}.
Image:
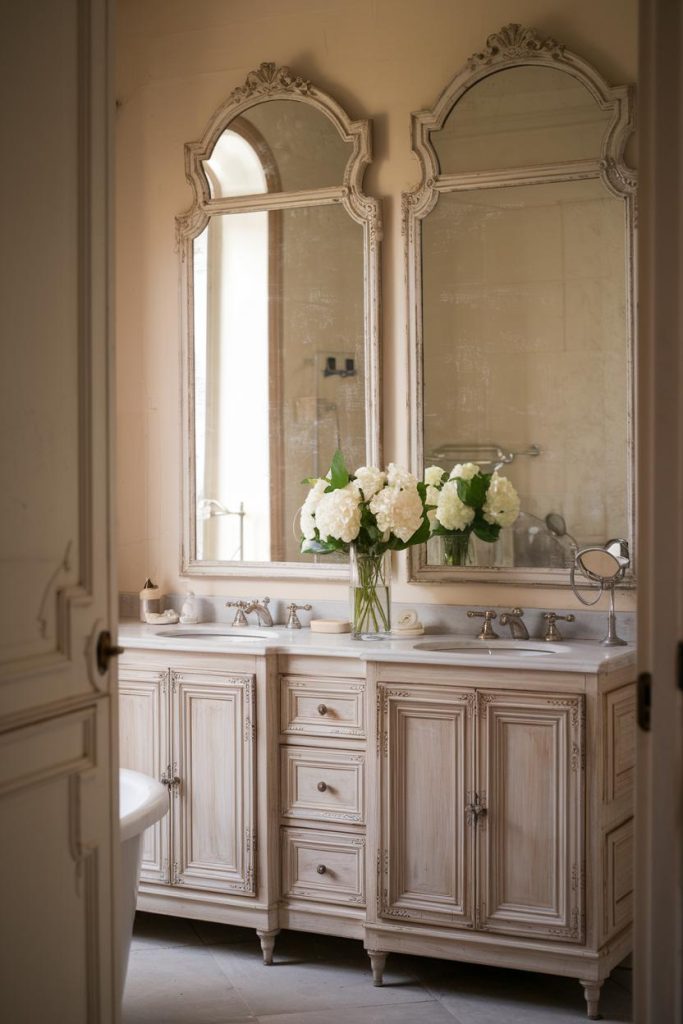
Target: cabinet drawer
{"type": "Point", "coordinates": [327, 785]}
{"type": "Point", "coordinates": [314, 707]}
{"type": "Point", "coordinates": [323, 866]}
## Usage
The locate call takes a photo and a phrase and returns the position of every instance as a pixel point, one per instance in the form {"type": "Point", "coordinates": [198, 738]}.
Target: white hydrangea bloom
{"type": "Point", "coordinates": [399, 477]}
{"type": "Point", "coordinates": [432, 498]}
{"type": "Point", "coordinates": [464, 471]}
{"type": "Point", "coordinates": [307, 523]}
{"type": "Point", "coordinates": [307, 518]}
{"type": "Point", "coordinates": [433, 475]}
{"type": "Point", "coordinates": [502, 502]}
{"type": "Point", "coordinates": [398, 511]}
{"type": "Point", "coordinates": [338, 514]}
{"type": "Point", "coordinates": [370, 480]}
{"type": "Point", "coordinates": [451, 512]}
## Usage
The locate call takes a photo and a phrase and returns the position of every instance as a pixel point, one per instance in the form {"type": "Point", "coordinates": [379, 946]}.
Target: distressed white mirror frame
{"type": "Point", "coordinates": [270, 82]}
{"type": "Point", "coordinates": [514, 46]}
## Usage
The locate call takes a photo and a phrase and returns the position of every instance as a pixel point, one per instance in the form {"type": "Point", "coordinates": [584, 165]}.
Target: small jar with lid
{"type": "Point", "coordinates": [150, 599]}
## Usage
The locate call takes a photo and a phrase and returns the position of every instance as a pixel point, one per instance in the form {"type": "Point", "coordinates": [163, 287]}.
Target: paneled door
{"type": "Point", "coordinates": [531, 788]}
{"type": "Point", "coordinates": [426, 783]}
{"type": "Point", "coordinates": [214, 835]}
{"type": "Point", "coordinates": [58, 764]}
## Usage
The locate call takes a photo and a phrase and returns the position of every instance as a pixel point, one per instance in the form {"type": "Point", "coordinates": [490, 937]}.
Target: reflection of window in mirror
{"type": "Point", "coordinates": [237, 324]}
{"type": "Point", "coordinates": [280, 298]}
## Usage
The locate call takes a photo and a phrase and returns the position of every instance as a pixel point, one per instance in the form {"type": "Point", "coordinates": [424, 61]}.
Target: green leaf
{"type": "Point", "coordinates": [310, 480]}
{"type": "Point", "coordinates": [473, 492]}
{"type": "Point", "coordinates": [421, 536]}
{"type": "Point", "coordinates": [485, 531]}
{"type": "Point", "coordinates": [339, 474]}
{"type": "Point", "coordinates": [321, 547]}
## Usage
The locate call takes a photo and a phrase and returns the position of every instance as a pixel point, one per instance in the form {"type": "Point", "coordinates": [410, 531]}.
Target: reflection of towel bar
{"type": "Point", "coordinates": [208, 508]}
{"type": "Point", "coordinates": [500, 456]}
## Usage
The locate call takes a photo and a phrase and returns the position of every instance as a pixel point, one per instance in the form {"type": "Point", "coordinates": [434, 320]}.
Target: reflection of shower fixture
{"type": "Point", "coordinates": [208, 508]}
{"type": "Point", "coordinates": [331, 369]}
{"type": "Point", "coordinates": [483, 454]}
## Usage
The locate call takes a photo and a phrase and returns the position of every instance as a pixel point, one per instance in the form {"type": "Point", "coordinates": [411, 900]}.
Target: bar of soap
{"type": "Point", "coordinates": [330, 626]}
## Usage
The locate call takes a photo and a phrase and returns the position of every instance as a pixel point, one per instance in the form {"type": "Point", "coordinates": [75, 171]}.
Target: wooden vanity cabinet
{"type": "Point", "coordinates": [500, 818]}
{"type": "Point", "coordinates": [193, 722]}
{"type": "Point", "coordinates": [474, 814]}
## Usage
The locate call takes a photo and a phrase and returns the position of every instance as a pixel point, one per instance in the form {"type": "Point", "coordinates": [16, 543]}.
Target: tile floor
{"type": "Point", "coordinates": [189, 972]}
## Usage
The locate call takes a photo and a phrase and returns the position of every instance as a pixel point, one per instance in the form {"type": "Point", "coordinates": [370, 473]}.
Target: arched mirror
{"type": "Point", "coordinates": [280, 295]}
{"type": "Point", "coordinates": [520, 245]}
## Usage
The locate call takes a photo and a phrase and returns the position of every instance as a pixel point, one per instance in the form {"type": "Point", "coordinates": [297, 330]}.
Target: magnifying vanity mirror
{"type": "Point", "coordinates": [520, 247]}
{"type": "Point", "coordinates": [280, 298]}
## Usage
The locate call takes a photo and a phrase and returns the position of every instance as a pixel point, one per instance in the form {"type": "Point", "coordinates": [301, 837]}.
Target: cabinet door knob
{"type": "Point", "coordinates": [321, 869]}
{"type": "Point", "coordinates": [322, 786]}
{"type": "Point", "coordinates": [322, 709]}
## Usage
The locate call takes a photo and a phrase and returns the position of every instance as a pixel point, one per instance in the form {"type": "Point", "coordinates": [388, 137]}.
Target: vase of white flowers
{"type": "Point", "coordinates": [467, 502]}
{"type": "Point", "coordinates": [366, 514]}
{"type": "Point", "coordinates": [370, 592]}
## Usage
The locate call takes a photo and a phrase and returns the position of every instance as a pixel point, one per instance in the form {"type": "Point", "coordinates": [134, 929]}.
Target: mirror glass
{"type": "Point", "coordinates": [280, 299]}
{"type": "Point", "coordinates": [600, 564]}
{"type": "Point", "coordinates": [519, 117]}
{"type": "Point", "coordinates": [295, 146]}
{"type": "Point", "coordinates": [520, 248]}
{"type": "Point", "coordinates": [279, 372]}
{"type": "Point", "coordinates": [525, 349]}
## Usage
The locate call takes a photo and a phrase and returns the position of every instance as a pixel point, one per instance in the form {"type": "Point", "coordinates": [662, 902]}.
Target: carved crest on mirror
{"type": "Point", "coordinates": [280, 321]}
{"type": "Point", "coordinates": [520, 241]}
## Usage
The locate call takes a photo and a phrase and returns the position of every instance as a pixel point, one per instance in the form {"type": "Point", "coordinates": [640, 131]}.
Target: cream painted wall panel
{"type": "Point", "coordinates": [382, 59]}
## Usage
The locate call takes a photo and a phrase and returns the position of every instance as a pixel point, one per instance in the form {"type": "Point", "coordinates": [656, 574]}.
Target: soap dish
{"type": "Point", "coordinates": [407, 632]}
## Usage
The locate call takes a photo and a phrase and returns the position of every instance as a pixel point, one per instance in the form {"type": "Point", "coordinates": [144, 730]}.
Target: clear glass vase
{"type": "Point", "coordinates": [456, 548]}
{"type": "Point", "coordinates": [370, 593]}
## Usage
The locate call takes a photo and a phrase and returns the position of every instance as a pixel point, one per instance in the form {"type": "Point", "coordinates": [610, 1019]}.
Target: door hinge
{"type": "Point", "coordinates": [644, 700]}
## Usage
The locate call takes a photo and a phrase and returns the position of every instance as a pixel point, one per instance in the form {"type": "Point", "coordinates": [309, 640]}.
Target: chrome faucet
{"type": "Point", "coordinates": [552, 633]}
{"type": "Point", "coordinates": [293, 618]}
{"type": "Point", "coordinates": [487, 632]}
{"type": "Point", "coordinates": [513, 619]}
{"type": "Point", "coordinates": [261, 609]}
{"type": "Point", "coordinates": [240, 619]}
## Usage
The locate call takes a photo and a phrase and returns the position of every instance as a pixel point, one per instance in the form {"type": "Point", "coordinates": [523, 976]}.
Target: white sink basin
{"type": "Point", "coordinates": [220, 633]}
{"type": "Point", "coordinates": [502, 648]}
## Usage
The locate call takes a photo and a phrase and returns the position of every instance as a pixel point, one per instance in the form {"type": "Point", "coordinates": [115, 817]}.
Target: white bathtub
{"type": "Point", "coordinates": [142, 802]}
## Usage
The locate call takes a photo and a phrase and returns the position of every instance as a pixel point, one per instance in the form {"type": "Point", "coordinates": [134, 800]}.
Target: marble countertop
{"type": "Point", "coordinates": [573, 656]}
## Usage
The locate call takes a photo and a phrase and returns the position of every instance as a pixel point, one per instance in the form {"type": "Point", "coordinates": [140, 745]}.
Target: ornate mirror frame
{"type": "Point", "coordinates": [270, 82]}
{"type": "Point", "coordinates": [513, 46]}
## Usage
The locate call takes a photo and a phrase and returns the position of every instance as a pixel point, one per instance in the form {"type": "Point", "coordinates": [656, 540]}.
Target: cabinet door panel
{"type": "Point", "coordinates": [214, 836]}
{"type": "Point", "coordinates": [144, 747]}
{"type": "Point", "coordinates": [425, 773]}
{"type": "Point", "coordinates": [531, 838]}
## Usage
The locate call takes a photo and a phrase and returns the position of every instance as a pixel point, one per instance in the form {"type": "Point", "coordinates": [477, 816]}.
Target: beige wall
{"type": "Point", "coordinates": [177, 61]}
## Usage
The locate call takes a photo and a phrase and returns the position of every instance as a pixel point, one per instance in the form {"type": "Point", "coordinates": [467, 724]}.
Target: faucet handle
{"type": "Point", "coordinates": [552, 633]}
{"type": "Point", "coordinates": [240, 618]}
{"type": "Point", "coordinates": [487, 632]}
{"type": "Point", "coordinates": [293, 618]}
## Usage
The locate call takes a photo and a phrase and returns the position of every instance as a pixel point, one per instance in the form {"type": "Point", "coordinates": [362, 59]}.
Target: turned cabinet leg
{"type": "Point", "coordinates": [377, 962]}
{"type": "Point", "coordinates": [591, 990]}
{"type": "Point", "coordinates": [267, 940]}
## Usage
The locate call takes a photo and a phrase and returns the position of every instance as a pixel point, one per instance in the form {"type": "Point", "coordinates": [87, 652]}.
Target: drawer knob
{"type": "Point", "coordinates": [322, 786]}
{"type": "Point", "coordinates": [321, 869]}
{"type": "Point", "coordinates": [322, 709]}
